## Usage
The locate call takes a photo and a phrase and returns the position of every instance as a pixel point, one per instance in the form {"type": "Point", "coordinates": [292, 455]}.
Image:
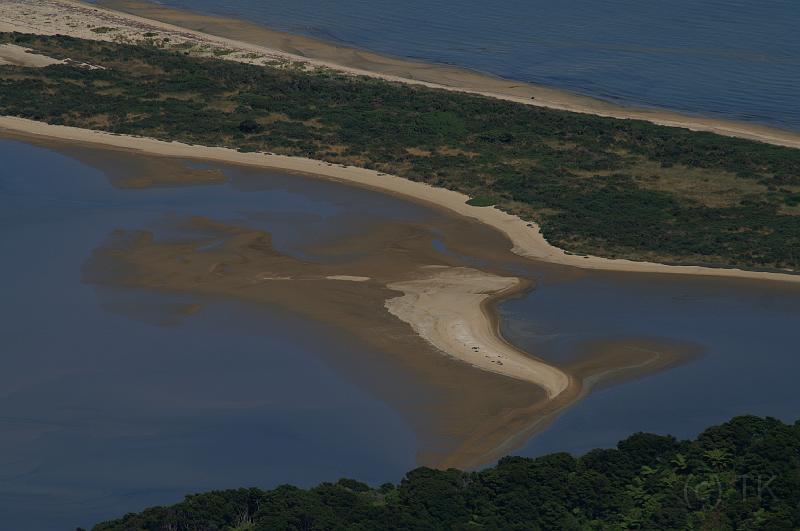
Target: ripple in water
{"type": "Point", "coordinates": [734, 59]}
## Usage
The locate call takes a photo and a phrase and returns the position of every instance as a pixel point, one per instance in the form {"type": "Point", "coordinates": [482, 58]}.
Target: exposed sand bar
{"type": "Point", "coordinates": [446, 307]}
{"type": "Point", "coordinates": [247, 42]}
{"type": "Point", "coordinates": [11, 54]}
{"type": "Point", "coordinates": [442, 332]}
{"type": "Point", "coordinates": [526, 238]}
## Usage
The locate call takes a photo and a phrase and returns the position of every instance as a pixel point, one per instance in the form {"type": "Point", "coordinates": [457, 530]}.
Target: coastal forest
{"type": "Point", "coordinates": [602, 186]}
{"type": "Point", "coordinates": [742, 475]}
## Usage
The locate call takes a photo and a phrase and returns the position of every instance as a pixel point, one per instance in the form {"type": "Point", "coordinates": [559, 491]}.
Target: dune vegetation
{"type": "Point", "coordinates": [743, 475]}
{"type": "Point", "coordinates": [603, 186]}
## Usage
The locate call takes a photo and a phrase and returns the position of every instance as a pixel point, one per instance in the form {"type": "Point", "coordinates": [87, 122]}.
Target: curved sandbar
{"type": "Point", "coordinates": [481, 414]}
{"type": "Point", "coordinates": [526, 238]}
{"type": "Point", "coordinates": [77, 19]}
{"type": "Point", "coordinates": [445, 306]}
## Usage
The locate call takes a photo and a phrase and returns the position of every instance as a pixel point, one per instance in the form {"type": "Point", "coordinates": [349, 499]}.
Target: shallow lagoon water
{"type": "Point", "coordinates": [109, 404]}
{"type": "Point", "coordinates": [736, 59]}
{"type": "Point", "coordinates": [112, 400]}
{"type": "Point", "coordinates": [749, 365]}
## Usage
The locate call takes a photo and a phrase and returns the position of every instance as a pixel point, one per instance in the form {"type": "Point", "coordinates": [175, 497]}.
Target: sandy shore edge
{"type": "Point", "coordinates": [75, 18]}
{"type": "Point", "coordinates": [366, 63]}
{"type": "Point", "coordinates": [446, 306]}
{"type": "Point", "coordinates": [526, 238]}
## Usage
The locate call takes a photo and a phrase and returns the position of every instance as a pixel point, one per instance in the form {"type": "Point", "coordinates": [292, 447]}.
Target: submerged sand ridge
{"type": "Point", "coordinates": [234, 261]}
{"type": "Point", "coordinates": [430, 314]}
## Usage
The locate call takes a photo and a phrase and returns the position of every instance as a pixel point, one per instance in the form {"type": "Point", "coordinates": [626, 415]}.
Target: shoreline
{"type": "Point", "coordinates": [458, 313]}
{"type": "Point", "coordinates": [474, 321]}
{"type": "Point", "coordinates": [364, 62]}
{"type": "Point", "coordinates": [458, 303]}
{"type": "Point", "coordinates": [450, 309]}
{"type": "Point", "coordinates": [526, 238]}
{"type": "Point", "coordinates": [131, 19]}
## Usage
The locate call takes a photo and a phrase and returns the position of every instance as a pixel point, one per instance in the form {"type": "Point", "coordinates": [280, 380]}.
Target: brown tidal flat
{"type": "Point", "coordinates": [127, 170]}
{"type": "Point", "coordinates": [463, 399]}
{"type": "Point", "coordinates": [464, 414]}
{"type": "Point", "coordinates": [460, 400]}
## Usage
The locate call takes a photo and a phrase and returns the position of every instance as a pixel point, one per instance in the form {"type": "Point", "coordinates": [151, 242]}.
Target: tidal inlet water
{"type": "Point", "coordinates": [735, 59]}
{"type": "Point", "coordinates": [126, 384]}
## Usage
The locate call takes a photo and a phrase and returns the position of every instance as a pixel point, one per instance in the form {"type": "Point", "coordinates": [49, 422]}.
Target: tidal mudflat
{"type": "Point", "coordinates": [177, 326]}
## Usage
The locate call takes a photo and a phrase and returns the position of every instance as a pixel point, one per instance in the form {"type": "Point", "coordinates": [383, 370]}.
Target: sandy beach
{"type": "Point", "coordinates": [236, 40]}
{"type": "Point", "coordinates": [526, 238]}
{"type": "Point", "coordinates": [11, 54]}
{"type": "Point", "coordinates": [75, 18]}
{"type": "Point", "coordinates": [446, 307]}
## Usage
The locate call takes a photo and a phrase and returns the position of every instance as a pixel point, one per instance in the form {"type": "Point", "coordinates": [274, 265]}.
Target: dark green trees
{"type": "Point", "coordinates": [742, 475]}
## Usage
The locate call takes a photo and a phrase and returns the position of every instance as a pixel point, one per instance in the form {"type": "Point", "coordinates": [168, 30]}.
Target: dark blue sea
{"type": "Point", "coordinates": [736, 59]}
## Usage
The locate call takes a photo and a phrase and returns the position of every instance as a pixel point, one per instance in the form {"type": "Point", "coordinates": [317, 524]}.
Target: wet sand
{"type": "Point", "coordinates": [482, 413]}
{"type": "Point", "coordinates": [472, 415]}
{"type": "Point", "coordinates": [246, 42]}
{"type": "Point", "coordinates": [398, 263]}
{"type": "Point", "coordinates": [242, 264]}
{"type": "Point", "coordinates": [446, 307]}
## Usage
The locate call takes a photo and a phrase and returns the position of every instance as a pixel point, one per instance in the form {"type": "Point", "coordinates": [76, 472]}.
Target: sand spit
{"type": "Point", "coordinates": [462, 414]}
{"type": "Point", "coordinates": [11, 54]}
{"type": "Point", "coordinates": [446, 306]}
{"type": "Point", "coordinates": [241, 41]}
{"type": "Point", "coordinates": [451, 402]}
{"type": "Point", "coordinates": [526, 238]}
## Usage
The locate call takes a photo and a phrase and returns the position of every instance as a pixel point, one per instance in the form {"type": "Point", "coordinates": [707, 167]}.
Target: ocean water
{"type": "Point", "coordinates": [736, 59]}
{"type": "Point", "coordinates": [111, 402]}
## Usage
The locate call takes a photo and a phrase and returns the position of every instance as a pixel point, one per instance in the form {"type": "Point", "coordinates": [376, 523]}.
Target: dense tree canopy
{"type": "Point", "coordinates": [742, 475]}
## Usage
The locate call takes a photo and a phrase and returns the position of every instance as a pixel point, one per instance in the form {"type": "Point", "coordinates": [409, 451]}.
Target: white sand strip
{"type": "Point", "coordinates": [348, 278]}
{"type": "Point", "coordinates": [445, 307]}
{"type": "Point", "coordinates": [12, 54]}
